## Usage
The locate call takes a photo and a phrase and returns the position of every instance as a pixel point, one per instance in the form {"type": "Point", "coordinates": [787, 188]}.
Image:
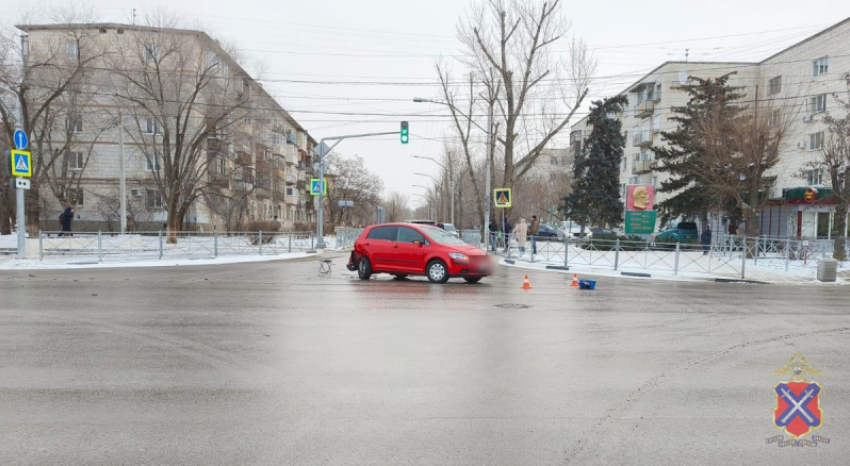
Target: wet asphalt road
{"type": "Point", "coordinates": [272, 364]}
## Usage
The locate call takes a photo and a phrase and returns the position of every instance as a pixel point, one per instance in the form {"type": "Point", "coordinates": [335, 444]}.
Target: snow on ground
{"type": "Point", "coordinates": [130, 261]}
{"type": "Point", "coordinates": [9, 241]}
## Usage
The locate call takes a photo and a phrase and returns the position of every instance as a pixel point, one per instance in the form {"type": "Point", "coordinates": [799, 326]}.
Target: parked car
{"type": "Point", "coordinates": [685, 232]}
{"type": "Point", "coordinates": [403, 249]}
{"type": "Point", "coordinates": [602, 233]}
{"type": "Point", "coordinates": [546, 233]}
{"type": "Point", "coordinates": [451, 229]}
{"type": "Point", "coordinates": [572, 229]}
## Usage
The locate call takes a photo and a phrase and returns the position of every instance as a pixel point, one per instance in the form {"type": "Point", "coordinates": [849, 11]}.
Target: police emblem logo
{"type": "Point", "coordinates": [797, 410]}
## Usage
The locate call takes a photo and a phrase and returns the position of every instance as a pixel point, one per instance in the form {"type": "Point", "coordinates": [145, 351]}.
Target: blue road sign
{"type": "Point", "coordinates": [21, 163]}
{"type": "Point", "coordinates": [318, 187]}
{"type": "Point", "coordinates": [21, 139]}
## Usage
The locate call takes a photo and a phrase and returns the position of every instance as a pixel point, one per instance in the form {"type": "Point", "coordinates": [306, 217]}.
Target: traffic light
{"type": "Point", "coordinates": [405, 134]}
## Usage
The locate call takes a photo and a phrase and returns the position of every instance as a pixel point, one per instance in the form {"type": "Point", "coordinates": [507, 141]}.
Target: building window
{"type": "Point", "coordinates": [153, 199]}
{"type": "Point", "coordinates": [774, 86]}
{"type": "Point", "coordinates": [75, 196]}
{"type": "Point", "coordinates": [73, 50]}
{"type": "Point", "coordinates": [656, 124]}
{"type": "Point", "coordinates": [75, 160]}
{"type": "Point", "coordinates": [151, 126]}
{"type": "Point", "coordinates": [817, 104]}
{"type": "Point", "coordinates": [151, 53]}
{"type": "Point", "coordinates": [816, 141]}
{"type": "Point", "coordinates": [820, 66]}
{"type": "Point", "coordinates": [74, 123]}
{"type": "Point", "coordinates": [153, 163]}
{"type": "Point", "coordinates": [655, 181]}
{"type": "Point", "coordinates": [815, 177]}
{"type": "Point", "coordinates": [221, 165]}
{"type": "Point", "coordinates": [289, 191]}
{"type": "Point", "coordinates": [633, 180]}
{"type": "Point", "coordinates": [775, 118]}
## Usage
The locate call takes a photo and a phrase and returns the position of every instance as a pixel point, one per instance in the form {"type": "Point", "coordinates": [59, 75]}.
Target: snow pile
{"type": "Point", "coordinates": [131, 261]}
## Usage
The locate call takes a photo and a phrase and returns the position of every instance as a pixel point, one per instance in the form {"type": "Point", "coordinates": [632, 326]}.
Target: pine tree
{"type": "Point", "coordinates": [681, 159]}
{"type": "Point", "coordinates": [595, 199]}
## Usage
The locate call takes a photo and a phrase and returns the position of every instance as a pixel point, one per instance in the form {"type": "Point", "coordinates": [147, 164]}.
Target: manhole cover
{"type": "Point", "coordinates": [512, 306]}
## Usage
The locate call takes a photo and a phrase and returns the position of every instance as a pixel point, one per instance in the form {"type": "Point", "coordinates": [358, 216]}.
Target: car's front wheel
{"type": "Point", "coordinates": [364, 269]}
{"type": "Point", "coordinates": [437, 271]}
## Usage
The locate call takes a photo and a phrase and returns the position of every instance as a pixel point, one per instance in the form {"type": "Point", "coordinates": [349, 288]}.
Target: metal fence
{"type": "Point", "coordinates": [345, 237]}
{"type": "Point", "coordinates": [728, 255]}
{"type": "Point", "coordinates": [156, 244]}
{"type": "Point", "coordinates": [472, 237]}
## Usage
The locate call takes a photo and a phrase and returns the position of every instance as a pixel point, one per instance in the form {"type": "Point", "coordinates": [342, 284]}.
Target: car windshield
{"type": "Point", "coordinates": [440, 236]}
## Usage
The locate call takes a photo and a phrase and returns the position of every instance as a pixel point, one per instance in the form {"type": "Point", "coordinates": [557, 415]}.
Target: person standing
{"type": "Point", "coordinates": [65, 220]}
{"type": "Point", "coordinates": [534, 230]}
{"type": "Point", "coordinates": [493, 230]}
{"type": "Point", "coordinates": [521, 233]}
{"type": "Point", "coordinates": [705, 239]}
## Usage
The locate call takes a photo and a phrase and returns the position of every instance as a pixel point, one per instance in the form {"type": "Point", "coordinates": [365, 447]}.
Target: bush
{"type": "Point", "coordinates": [268, 227]}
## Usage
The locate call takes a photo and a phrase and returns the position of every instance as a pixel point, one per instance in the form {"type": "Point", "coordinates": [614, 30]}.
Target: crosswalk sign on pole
{"type": "Point", "coordinates": [21, 163]}
{"type": "Point", "coordinates": [502, 198]}
{"type": "Point", "coordinates": [318, 187]}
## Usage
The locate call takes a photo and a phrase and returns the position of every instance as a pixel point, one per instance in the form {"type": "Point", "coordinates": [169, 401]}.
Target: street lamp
{"type": "Point", "coordinates": [489, 133]}
{"type": "Point", "coordinates": [452, 185]}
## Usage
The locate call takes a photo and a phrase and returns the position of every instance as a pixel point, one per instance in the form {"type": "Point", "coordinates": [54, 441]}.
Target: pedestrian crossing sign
{"type": "Point", "coordinates": [21, 164]}
{"type": "Point", "coordinates": [318, 187]}
{"type": "Point", "coordinates": [502, 198]}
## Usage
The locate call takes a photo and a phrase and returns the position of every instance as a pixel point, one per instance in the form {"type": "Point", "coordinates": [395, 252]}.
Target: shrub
{"type": "Point", "coordinates": [268, 227]}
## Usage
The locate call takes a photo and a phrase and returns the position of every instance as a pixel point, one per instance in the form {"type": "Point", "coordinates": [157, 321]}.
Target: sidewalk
{"type": "Point", "coordinates": [130, 261]}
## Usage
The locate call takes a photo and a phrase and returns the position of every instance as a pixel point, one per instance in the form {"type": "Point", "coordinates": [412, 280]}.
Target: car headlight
{"type": "Point", "coordinates": [459, 256]}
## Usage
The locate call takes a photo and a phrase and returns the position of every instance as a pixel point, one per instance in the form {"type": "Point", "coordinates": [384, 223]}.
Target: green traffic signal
{"type": "Point", "coordinates": [405, 133]}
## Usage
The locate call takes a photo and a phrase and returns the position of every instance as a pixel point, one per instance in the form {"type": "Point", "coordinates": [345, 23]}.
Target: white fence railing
{"type": "Point", "coordinates": [156, 244]}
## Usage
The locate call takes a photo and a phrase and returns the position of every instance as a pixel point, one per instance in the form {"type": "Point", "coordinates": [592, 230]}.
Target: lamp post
{"type": "Point", "coordinates": [426, 197]}
{"type": "Point", "coordinates": [489, 133]}
{"type": "Point", "coordinates": [452, 185]}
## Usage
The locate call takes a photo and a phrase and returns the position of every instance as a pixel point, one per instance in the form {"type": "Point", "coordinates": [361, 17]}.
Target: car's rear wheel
{"type": "Point", "coordinates": [472, 279]}
{"type": "Point", "coordinates": [437, 271]}
{"type": "Point", "coordinates": [364, 269]}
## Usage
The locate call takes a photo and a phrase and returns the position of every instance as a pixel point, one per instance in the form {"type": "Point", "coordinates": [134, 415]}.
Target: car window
{"type": "Point", "coordinates": [440, 236]}
{"type": "Point", "coordinates": [409, 235]}
{"type": "Point", "coordinates": [383, 233]}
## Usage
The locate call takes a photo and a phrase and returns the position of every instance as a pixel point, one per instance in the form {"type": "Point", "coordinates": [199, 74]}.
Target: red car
{"type": "Point", "coordinates": [403, 249]}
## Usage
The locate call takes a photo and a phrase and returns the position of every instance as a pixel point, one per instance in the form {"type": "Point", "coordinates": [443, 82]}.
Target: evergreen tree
{"type": "Point", "coordinates": [595, 199]}
{"type": "Point", "coordinates": [681, 158]}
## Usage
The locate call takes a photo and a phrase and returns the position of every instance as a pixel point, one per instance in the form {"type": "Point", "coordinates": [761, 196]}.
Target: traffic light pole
{"type": "Point", "coordinates": [323, 151]}
{"type": "Point", "coordinates": [19, 192]}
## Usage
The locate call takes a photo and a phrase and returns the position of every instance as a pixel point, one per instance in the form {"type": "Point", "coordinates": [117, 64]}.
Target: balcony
{"type": "Point", "coordinates": [643, 166]}
{"type": "Point", "coordinates": [219, 180]}
{"type": "Point", "coordinates": [243, 158]}
{"type": "Point", "coordinates": [642, 139]}
{"type": "Point", "coordinates": [645, 108]}
{"type": "Point", "coordinates": [301, 185]}
{"type": "Point", "coordinates": [290, 198]}
{"type": "Point", "coordinates": [279, 173]}
{"type": "Point", "coordinates": [214, 145]}
{"type": "Point", "coordinates": [242, 186]}
{"type": "Point", "coordinates": [290, 178]}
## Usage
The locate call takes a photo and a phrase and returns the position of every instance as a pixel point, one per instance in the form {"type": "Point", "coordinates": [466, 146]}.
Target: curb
{"type": "Point", "coordinates": [738, 280]}
{"type": "Point", "coordinates": [557, 267]}
{"type": "Point", "coordinates": [636, 274]}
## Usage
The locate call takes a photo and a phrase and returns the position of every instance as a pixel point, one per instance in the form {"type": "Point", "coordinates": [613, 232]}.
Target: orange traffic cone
{"type": "Point", "coordinates": [525, 284]}
{"type": "Point", "coordinates": [575, 280]}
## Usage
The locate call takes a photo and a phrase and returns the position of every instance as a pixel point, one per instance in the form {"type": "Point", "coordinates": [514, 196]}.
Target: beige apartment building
{"type": "Point", "coordinates": [798, 81]}
{"type": "Point", "coordinates": [255, 164]}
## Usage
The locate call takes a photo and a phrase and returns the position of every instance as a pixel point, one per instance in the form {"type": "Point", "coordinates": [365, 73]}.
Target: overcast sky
{"type": "Point", "coordinates": [310, 47]}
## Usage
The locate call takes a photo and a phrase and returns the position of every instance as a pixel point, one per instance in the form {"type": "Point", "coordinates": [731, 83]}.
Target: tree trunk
{"type": "Point", "coordinates": [840, 245]}
{"type": "Point", "coordinates": [752, 221]}
{"type": "Point", "coordinates": [7, 211]}
{"type": "Point", "coordinates": [175, 220]}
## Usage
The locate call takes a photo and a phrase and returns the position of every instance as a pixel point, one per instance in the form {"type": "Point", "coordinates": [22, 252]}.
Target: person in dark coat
{"type": "Point", "coordinates": [506, 230]}
{"type": "Point", "coordinates": [65, 220]}
{"type": "Point", "coordinates": [705, 239]}
{"type": "Point", "coordinates": [494, 229]}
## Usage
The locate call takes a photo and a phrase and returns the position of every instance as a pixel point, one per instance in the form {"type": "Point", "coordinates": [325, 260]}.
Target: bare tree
{"type": "Point", "coordinates": [738, 153]}
{"type": "Point", "coordinates": [183, 84]}
{"type": "Point", "coordinates": [50, 80]}
{"type": "Point", "coordinates": [835, 159]}
{"type": "Point", "coordinates": [352, 181]}
{"type": "Point", "coordinates": [513, 39]}
{"type": "Point", "coordinates": [397, 207]}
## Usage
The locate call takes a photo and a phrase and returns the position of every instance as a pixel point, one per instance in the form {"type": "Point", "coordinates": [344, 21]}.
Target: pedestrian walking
{"type": "Point", "coordinates": [65, 220]}
{"type": "Point", "coordinates": [521, 232]}
{"type": "Point", "coordinates": [131, 223]}
{"type": "Point", "coordinates": [534, 230]}
{"type": "Point", "coordinates": [494, 229]}
{"type": "Point", "coordinates": [705, 239]}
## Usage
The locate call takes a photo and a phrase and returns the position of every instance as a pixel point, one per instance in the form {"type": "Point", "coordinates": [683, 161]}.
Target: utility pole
{"type": "Point", "coordinates": [21, 204]}
{"type": "Point", "coordinates": [122, 182]}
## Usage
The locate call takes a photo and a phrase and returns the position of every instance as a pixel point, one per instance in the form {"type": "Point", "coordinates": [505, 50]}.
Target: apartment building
{"type": "Point", "coordinates": [253, 164]}
{"type": "Point", "coordinates": [798, 82]}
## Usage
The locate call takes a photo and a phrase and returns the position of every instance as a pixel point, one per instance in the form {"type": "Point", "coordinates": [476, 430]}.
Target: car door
{"type": "Point", "coordinates": [411, 247]}
{"type": "Point", "coordinates": [380, 244]}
